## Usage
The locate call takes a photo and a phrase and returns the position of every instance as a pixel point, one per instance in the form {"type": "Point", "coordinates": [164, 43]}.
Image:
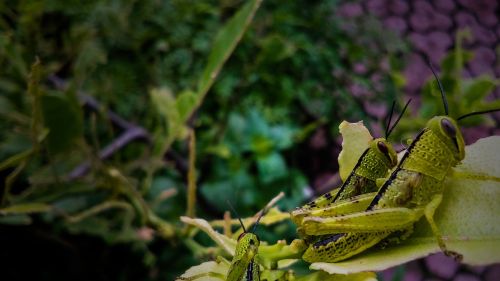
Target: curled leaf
{"type": "Point", "coordinates": [228, 244]}
{"type": "Point", "coordinates": [355, 140]}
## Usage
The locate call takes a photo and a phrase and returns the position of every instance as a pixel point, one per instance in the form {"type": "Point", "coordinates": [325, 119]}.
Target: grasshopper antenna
{"type": "Point", "coordinates": [239, 218]}
{"type": "Point", "coordinates": [258, 220]}
{"type": "Point", "coordinates": [389, 119]}
{"type": "Point", "coordinates": [443, 96]}
{"type": "Point", "coordinates": [477, 113]}
{"type": "Point", "coordinates": [388, 133]}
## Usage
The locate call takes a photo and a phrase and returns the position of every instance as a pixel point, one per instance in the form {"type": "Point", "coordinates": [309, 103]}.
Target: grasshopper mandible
{"type": "Point", "coordinates": [414, 189]}
{"type": "Point", "coordinates": [374, 163]}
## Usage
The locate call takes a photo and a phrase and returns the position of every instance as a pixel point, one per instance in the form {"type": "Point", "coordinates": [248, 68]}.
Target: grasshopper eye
{"type": "Point", "coordinates": [241, 235]}
{"type": "Point", "coordinates": [383, 147]}
{"type": "Point", "coordinates": [449, 128]}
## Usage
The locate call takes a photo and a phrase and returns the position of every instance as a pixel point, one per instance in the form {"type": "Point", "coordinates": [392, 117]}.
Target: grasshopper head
{"type": "Point", "coordinates": [447, 129]}
{"type": "Point", "coordinates": [248, 244]}
{"type": "Point", "coordinates": [382, 147]}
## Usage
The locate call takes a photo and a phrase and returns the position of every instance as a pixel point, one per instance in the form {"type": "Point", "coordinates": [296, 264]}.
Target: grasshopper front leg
{"type": "Point", "coordinates": [429, 211]}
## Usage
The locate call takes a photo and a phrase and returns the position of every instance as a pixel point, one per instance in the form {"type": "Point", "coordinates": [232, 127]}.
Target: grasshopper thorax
{"type": "Point", "coordinates": [446, 128]}
{"type": "Point", "coordinates": [248, 244]}
{"type": "Point", "coordinates": [386, 152]}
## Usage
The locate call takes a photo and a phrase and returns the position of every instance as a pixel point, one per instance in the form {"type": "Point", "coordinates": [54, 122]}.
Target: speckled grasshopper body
{"type": "Point", "coordinates": [414, 189]}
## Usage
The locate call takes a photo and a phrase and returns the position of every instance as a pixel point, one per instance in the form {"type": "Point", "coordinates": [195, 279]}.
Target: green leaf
{"type": "Point", "coordinates": [282, 136]}
{"type": "Point", "coordinates": [166, 105]}
{"type": "Point", "coordinates": [64, 121]}
{"type": "Point", "coordinates": [271, 167]}
{"type": "Point", "coordinates": [467, 218]}
{"type": "Point", "coordinates": [208, 271]}
{"type": "Point", "coordinates": [355, 140]}
{"type": "Point", "coordinates": [323, 276]}
{"type": "Point", "coordinates": [185, 103]}
{"type": "Point", "coordinates": [164, 102]}
{"type": "Point", "coordinates": [224, 44]}
{"type": "Point", "coordinates": [477, 89]}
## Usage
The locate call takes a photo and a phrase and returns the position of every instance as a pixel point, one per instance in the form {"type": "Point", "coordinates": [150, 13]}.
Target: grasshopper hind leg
{"type": "Point", "coordinates": [341, 246]}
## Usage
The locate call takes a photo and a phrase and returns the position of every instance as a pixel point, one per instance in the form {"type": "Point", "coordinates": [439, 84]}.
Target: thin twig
{"type": "Point", "coordinates": [92, 103]}
{"type": "Point", "coordinates": [126, 137]}
{"type": "Point", "coordinates": [98, 209]}
{"type": "Point", "coordinates": [191, 179]}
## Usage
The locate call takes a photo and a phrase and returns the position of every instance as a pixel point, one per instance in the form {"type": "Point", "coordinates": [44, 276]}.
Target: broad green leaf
{"type": "Point", "coordinates": [208, 271]}
{"type": "Point", "coordinates": [355, 140]}
{"type": "Point", "coordinates": [27, 208]}
{"type": "Point", "coordinates": [467, 218]}
{"type": "Point", "coordinates": [224, 44]}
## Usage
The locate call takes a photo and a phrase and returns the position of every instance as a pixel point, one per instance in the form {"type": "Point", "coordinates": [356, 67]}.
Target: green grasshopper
{"type": "Point", "coordinates": [243, 265]}
{"type": "Point", "coordinates": [414, 189]}
{"type": "Point", "coordinates": [374, 163]}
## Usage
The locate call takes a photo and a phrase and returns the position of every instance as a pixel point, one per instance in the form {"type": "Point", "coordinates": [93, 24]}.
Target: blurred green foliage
{"type": "Point", "coordinates": [146, 61]}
